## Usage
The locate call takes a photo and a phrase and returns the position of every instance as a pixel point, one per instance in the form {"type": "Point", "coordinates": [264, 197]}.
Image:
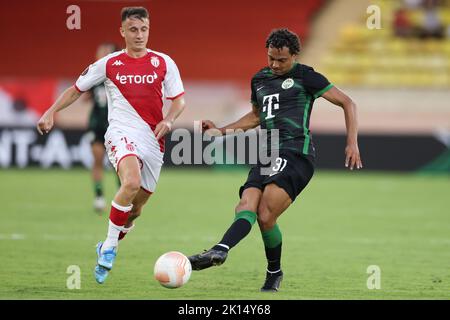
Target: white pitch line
{"type": "Point", "coordinates": [13, 236]}
{"type": "Point", "coordinates": [211, 239]}
{"type": "Point", "coordinates": [93, 237]}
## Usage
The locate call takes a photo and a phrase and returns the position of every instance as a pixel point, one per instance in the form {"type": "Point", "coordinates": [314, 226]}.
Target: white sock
{"type": "Point", "coordinates": [112, 239]}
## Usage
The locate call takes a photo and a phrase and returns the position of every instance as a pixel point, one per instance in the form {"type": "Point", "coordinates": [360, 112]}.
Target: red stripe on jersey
{"type": "Point", "coordinates": [173, 98]}
{"type": "Point", "coordinates": [147, 191]}
{"type": "Point", "coordinates": [140, 82]}
{"type": "Point", "coordinates": [78, 89]}
{"type": "Point", "coordinates": [128, 155]}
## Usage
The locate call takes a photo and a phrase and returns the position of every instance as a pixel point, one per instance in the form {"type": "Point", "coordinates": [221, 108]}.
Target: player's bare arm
{"type": "Point", "coordinates": [248, 121]}
{"type": "Point", "coordinates": [69, 96]}
{"type": "Point", "coordinates": [339, 98]}
{"type": "Point", "coordinates": [174, 112]}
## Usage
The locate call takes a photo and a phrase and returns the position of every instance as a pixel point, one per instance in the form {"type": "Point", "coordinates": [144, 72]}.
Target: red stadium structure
{"type": "Point", "coordinates": [219, 40]}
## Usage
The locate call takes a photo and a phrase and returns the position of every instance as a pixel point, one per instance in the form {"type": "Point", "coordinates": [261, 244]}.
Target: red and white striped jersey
{"type": "Point", "coordinates": [135, 88]}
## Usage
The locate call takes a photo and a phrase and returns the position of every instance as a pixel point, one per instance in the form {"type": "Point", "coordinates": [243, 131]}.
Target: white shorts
{"type": "Point", "coordinates": [120, 145]}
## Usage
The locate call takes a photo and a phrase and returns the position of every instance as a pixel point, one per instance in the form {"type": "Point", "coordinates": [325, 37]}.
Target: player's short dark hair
{"type": "Point", "coordinates": [134, 12]}
{"type": "Point", "coordinates": [280, 38]}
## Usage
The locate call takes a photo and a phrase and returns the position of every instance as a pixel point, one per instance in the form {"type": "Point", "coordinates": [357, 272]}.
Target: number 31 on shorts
{"type": "Point", "coordinates": [280, 164]}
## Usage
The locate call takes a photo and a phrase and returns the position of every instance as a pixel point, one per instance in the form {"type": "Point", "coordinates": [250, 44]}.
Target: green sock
{"type": "Point", "coordinates": [272, 244]}
{"type": "Point", "coordinates": [250, 216]}
{"type": "Point", "coordinates": [238, 230]}
{"type": "Point", "coordinates": [98, 188]}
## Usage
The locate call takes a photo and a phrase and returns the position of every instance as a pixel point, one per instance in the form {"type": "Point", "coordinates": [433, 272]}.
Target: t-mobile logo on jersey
{"type": "Point", "coordinates": [137, 78]}
{"type": "Point", "coordinates": [272, 100]}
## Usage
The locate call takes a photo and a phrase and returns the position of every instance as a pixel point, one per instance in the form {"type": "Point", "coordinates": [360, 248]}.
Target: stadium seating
{"type": "Point", "coordinates": [377, 58]}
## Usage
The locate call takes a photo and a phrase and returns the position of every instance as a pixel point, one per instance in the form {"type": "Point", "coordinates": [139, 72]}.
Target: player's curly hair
{"type": "Point", "coordinates": [280, 38]}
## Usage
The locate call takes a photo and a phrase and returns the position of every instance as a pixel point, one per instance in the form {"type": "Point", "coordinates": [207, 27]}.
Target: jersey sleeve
{"type": "Point", "coordinates": [173, 86]}
{"type": "Point", "coordinates": [92, 76]}
{"type": "Point", "coordinates": [315, 83]}
{"type": "Point", "coordinates": [253, 99]}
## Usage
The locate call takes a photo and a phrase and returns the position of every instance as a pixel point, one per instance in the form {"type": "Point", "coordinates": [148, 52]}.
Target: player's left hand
{"type": "Point", "coordinates": [162, 128]}
{"type": "Point", "coordinates": [352, 157]}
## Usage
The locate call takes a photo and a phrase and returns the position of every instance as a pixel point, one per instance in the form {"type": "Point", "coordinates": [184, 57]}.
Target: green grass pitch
{"type": "Point", "coordinates": [343, 223]}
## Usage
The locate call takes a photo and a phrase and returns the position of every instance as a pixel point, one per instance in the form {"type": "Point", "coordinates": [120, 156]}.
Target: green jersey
{"type": "Point", "coordinates": [285, 103]}
{"type": "Point", "coordinates": [98, 120]}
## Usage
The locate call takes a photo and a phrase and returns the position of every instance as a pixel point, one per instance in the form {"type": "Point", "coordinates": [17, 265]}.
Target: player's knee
{"type": "Point", "coordinates": [132, 185]}
{"type": "Point", "coordinates": [248, 202]}
{"type": "Point", "coordinates": [266, 223]}
{"type": "Point", "coordinates": [266, 219]}
{"type": "Point", "coordinates": [240, 207]}
{"type": "Point", "coordinates": [245, 205]}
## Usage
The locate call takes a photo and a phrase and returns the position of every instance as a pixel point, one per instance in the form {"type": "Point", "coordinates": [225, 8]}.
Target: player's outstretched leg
{"type": "Point", "coordinates": [217, 255]}
{"type": "Point", "coordinates": [209, 258]}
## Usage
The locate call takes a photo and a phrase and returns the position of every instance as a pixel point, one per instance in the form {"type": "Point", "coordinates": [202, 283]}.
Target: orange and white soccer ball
{"type": "Point", "coordinates": [173, 269]}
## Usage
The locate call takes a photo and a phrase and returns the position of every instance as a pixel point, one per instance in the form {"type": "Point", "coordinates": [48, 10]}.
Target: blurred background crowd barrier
{"type": "Point", "coordinates": [398, 74]}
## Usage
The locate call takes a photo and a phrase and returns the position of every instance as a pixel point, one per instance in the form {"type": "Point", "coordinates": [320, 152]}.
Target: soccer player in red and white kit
{"type": "Point", "coordinates": [135, 79]}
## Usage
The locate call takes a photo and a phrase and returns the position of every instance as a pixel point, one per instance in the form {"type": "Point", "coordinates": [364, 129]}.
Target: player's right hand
{"type": "Point", "coordinates": [207, 124]}
{"type": "Point", "coordinates": [210, 128]}
{"type": "Point", "coordinates": [45, 123]}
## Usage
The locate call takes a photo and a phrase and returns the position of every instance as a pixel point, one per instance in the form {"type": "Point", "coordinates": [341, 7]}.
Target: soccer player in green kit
{"type": "Point", "coordinates": [282, 96]}
{"type": "Point", "coordinates": [98, 124]}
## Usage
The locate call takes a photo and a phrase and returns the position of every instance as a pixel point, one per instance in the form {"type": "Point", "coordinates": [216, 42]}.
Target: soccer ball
{"type": "Point", "coordinates": [173, 269]}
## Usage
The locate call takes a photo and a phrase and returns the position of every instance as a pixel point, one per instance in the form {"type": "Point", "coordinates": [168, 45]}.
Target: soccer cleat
{"type": "Point", "coordinates": [273, 282]}
{"type": "Point", "coordinates": [208, 259]}
{"type": "Point", "coordinates": [100, 274]}
{"type": "Point", "coordinates": [105, 262]}
{"type": "Point", "coordinates": [99, 204]}
{"type": "Point", "coordinates": [107, 257]}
